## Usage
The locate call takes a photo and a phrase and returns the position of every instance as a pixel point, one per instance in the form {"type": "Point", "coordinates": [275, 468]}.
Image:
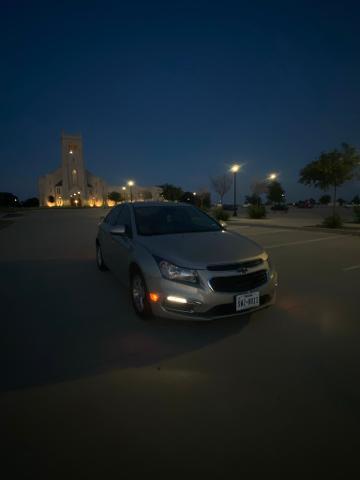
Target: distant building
{"type": "Point", "coordinates": [72, 185]}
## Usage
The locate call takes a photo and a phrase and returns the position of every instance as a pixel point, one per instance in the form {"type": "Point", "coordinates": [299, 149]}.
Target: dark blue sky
{"type": "Point", "coordinates": [176, 91]}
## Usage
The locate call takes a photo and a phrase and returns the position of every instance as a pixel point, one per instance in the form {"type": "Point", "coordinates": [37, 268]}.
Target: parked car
{"type": "Point", "coordinates": [178, 262]}
{"type": "Point", "coordinates": [281, 207]}
{"type": "Point", "coordinates": [304, 204]}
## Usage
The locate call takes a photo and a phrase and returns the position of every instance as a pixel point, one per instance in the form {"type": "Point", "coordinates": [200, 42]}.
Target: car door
{"type": "Point", "coordinates": [121, 246]}
{"type": "Point", "coordinates": [104, 236]}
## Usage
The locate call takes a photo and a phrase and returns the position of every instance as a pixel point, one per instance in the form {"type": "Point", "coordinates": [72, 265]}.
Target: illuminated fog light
{"type": "Point", "coordinates": [170, 298]}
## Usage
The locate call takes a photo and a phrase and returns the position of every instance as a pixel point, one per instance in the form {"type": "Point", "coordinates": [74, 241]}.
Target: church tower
{"type": "Point", "coordinates": [74, 180]}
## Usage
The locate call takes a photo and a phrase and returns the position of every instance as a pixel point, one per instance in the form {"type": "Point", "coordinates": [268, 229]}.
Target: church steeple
{"type": "Point", "coordinates": [72, 164]}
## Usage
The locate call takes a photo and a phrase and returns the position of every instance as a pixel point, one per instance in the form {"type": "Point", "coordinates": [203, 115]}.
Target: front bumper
{"type": "Point", "coordinates": [203, 303]}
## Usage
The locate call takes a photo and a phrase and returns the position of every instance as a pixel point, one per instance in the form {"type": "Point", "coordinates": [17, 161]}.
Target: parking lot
{"type": "Point", "coordinates": [89, 388]}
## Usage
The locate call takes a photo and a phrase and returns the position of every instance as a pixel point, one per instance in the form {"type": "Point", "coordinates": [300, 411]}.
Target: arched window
{"type": "Point", "coordinates": [74, 176]}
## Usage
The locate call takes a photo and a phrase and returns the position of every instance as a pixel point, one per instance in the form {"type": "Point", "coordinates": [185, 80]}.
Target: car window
{"type": "Point", "coordinates": [124, 218]}
{"type": "Point", "coordinates": [113, 215]}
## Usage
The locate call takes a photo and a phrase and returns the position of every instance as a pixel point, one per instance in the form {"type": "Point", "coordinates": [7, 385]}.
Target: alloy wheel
{"type": "Point", "coordinates": [99, 259]}
{"type": "Point", "coordinates": [138, 293]}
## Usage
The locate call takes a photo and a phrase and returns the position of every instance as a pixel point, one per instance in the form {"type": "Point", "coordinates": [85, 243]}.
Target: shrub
{"type": "Point", "coordinates": [220, 214]}
{"type": "Point", "coordinates": [115, 196]}
{"type": "Point", "coordinates": [357, 214]}
{"type": "Point", "coordinates": [334, 221]}
{"type": "Point", "coordinates": [256, 211]}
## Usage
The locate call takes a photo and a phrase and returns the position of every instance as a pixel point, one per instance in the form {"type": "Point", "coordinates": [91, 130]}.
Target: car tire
{"type": "Point", "coordinates": [139, 295]}
{"type": "Point", "coordinates": [100, 259]}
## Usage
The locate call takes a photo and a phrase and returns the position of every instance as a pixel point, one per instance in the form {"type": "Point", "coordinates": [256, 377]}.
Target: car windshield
{"type": "Point", "coordinates": [170, 219]}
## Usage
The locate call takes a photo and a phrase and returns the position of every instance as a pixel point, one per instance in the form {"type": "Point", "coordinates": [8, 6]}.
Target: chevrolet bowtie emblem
{"type": "Point", "coordinates": [242, 270]}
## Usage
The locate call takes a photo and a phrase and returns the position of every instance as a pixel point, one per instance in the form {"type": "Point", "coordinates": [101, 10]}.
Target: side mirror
{"type": "Point", "coordinates": [223, 224]}
{"type": "Point", "coordinates": [118, 230]}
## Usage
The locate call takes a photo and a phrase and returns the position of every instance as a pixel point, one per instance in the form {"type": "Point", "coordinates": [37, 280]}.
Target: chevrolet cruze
{"type": "Point", "coordinates": [178, 262]}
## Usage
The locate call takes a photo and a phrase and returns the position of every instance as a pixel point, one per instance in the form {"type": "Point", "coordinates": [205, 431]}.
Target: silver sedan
{"type": "Point", "coordinates": [178, 262]}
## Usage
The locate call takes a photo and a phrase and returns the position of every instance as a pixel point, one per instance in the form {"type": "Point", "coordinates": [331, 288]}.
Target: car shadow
{"type": "Point", "coordinates": [63, 320]}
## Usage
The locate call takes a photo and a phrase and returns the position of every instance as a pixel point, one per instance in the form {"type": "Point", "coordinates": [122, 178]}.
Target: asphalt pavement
{"type": "Point", "coordinates": [88, 390]}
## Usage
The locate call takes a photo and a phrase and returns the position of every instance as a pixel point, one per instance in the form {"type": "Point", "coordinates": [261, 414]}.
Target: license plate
{"type": "Point", "coordinates": [248, 300]}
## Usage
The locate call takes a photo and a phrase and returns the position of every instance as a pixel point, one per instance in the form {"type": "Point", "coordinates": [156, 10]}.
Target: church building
{"type": "Point", "coordinates": [71, 185]}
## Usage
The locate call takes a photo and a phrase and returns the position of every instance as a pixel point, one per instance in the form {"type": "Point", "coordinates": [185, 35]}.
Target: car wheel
{"type": "Point", "coordinates": [99, 259]}
{"type": "Point", "coordinates": [139, 295]}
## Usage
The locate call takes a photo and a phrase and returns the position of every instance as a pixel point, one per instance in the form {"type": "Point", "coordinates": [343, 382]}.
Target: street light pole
{"type": "Point", "coordinates": [235, 208]}
{"type": "Point", "coordinates": [131, 184]}
{"type": "Point", "coordinates": [234, 169]}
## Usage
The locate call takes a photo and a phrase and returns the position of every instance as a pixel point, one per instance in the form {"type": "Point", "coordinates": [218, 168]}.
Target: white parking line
{"type": "Point", "coordinates": [354, 267]}
{"type": "Point", "coordinates": [271, 231]}
{"type": "Point", "coordinates": [301, 242]}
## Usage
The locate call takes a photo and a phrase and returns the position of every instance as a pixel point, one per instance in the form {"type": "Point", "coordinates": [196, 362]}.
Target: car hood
{"type": "Point", "coordinates": [197, 250]}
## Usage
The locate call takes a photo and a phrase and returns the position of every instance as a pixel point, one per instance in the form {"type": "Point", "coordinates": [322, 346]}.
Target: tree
{"type": "Point", "coordinates": [259, 187]}
{"type": "Point", "coordinates": [51, 199]}
{"type": "Point", "coordinates": [8, 200]}
{"type": "Point", "coordinates": [356, 200]}
{"type": "Point", "coordinates": [275, 192]}
{"type": "Point", "coordinates": [331, 169]}
{"type": "Point", "coordinates": [325, 199]}
{"type": "Point", "coordinates": [115, 196]}
{"type": "Point", "coordinates": [30, 202]}
{"type": "Point", "coordinates": [253, 199]}
{"type": "Point", "coordinates": [171, 192]}
{"type": "Point", "coordinates": [203, 198]}
{"type": "Point", "coordinates": [221, 184]}
{"type": "Point", "coordinates": [188, 197]}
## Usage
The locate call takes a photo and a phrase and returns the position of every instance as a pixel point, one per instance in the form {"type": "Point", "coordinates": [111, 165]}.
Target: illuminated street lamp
{"type": "Point", "coordinates": [234, 169]}
{"type": "Point", "coordinates": [131, 184]}
{"type": "Point", "coordinates": [272, 176]}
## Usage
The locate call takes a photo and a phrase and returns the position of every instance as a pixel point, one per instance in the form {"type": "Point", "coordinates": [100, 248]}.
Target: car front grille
{"type": "Point", "coordinates": [239, 283]}
{"type": "Point", "coordinates": [235, 266]}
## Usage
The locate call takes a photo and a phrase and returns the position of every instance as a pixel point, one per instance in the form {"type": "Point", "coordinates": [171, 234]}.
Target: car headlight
{"type": "Point", "coordinates": [266, 258]}
{"type": "Point", "coordinates": [271, 267]}
{"type": "Point", "coordinates": [177, 274]}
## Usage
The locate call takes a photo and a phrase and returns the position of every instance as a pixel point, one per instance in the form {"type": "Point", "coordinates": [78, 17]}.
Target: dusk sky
{"type": "Point", "coordinates": [176, 91]}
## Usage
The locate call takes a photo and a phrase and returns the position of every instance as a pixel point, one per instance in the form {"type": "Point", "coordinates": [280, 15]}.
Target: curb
{"type": "Point", "coordinates": [311, 228]}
